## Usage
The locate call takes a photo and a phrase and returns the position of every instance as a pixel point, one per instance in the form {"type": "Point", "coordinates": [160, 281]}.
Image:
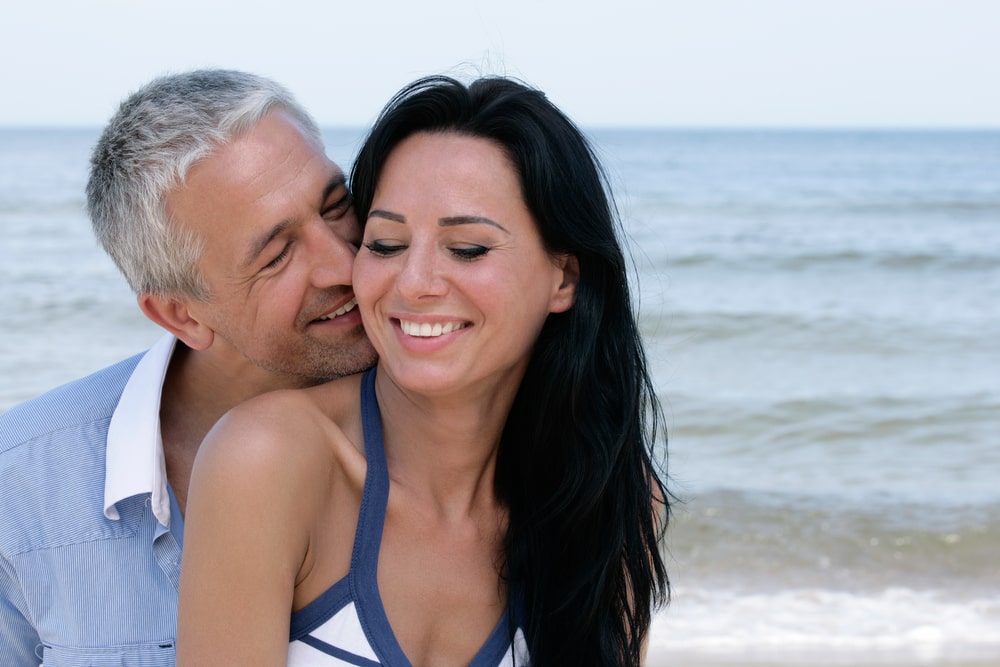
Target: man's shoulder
{"type": "Point", "coordinates": [52, 458]}
{"type": "Point", "coordinates": [75, 404]}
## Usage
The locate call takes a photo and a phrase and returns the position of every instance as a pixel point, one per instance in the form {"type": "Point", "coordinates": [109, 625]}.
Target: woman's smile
{"type": "Point", "coordinates": [428, 329]}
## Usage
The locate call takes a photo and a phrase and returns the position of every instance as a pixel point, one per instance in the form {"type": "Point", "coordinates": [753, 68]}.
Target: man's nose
{"type": "Point", "coordinates": [331, 256]}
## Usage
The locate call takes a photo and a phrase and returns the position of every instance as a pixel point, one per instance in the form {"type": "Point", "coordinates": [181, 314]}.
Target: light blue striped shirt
{"type": "Point", "coordinates": [89, 567]}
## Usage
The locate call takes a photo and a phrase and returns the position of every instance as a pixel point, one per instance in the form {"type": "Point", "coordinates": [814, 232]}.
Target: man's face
{"type": "Point", "coordinates": [279, 236]}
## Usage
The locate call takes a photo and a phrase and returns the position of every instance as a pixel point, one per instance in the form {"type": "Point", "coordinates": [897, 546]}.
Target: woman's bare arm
{"type": "Point", "coordinates": [245, 537]}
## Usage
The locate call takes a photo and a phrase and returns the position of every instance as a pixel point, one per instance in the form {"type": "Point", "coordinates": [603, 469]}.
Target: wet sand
{"type": "Point", "coordinates": [689, 660]}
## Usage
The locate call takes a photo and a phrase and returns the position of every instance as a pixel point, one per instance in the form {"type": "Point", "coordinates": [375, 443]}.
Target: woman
{"type": "Point", "coordinates": [488, 492]}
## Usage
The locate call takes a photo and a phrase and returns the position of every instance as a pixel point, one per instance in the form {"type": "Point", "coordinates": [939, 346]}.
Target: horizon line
{"type": "Point", "coordinates": [622, 127]}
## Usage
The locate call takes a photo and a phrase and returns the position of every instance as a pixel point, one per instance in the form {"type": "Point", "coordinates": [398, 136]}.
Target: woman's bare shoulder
{"type": "Point", "coordinates": [285, 437]}
{"type": "Point", "coordinates": [339, 402]}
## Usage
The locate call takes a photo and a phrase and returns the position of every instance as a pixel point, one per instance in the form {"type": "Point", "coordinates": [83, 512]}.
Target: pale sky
{"type": "Point", "coordinates": [691, 63]}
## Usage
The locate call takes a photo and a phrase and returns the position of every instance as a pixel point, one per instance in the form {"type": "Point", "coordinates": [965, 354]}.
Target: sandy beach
{"type": "Point", "coordinates": [695, 661]}
{"type": "Point", "coordinates": [853, 659]}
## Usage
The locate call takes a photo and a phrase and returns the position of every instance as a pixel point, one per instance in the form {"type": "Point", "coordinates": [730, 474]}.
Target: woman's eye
{"type": "Point", "coordinates": [384, 249]}
{"type": "Point", "coordinates": [469, 252]}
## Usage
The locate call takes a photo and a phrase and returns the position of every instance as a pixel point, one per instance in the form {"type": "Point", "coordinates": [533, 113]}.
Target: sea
{"type": "Point", "coordinates": [821, 309]}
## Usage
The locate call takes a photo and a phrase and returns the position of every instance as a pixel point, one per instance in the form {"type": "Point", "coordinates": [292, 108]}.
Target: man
{"type": "Point", "coordinates": [212, 193]}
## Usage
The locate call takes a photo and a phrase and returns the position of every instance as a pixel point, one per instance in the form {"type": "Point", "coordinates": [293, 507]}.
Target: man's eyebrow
{"type": "Point", "coordinates": [335, 182]}
{"type": "Point", "coordinates": [469, 220]}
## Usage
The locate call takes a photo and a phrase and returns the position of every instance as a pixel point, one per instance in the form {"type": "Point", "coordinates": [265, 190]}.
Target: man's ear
{"type": "Point", "coordinates": [565, 292]}
{"type": "Point", "coordinates": [174, 314]}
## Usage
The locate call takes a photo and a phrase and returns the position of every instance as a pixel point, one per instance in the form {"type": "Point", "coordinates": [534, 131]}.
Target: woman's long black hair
{"type": "Point", "coordinates": [580, 467]}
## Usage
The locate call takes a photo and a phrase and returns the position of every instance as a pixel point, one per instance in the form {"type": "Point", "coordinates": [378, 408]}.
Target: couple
{"type": "Point", "coordinates": [487, 493]}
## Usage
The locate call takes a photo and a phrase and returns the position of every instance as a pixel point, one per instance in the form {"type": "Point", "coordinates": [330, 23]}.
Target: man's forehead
{"type": "Point", "coordinates": [266, 157]}
{"type": "Point", "coordinates": [263, 179]}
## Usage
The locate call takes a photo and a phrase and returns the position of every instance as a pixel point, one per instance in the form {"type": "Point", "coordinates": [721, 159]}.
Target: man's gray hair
{"type": "Point", "coordinates": [146, 150]}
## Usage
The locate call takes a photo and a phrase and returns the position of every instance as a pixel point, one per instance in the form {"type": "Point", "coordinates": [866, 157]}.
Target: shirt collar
{"type": "Point", "coordinates": [135, 463]}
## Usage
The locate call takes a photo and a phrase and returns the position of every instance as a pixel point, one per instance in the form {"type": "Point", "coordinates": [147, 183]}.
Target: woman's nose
{"type": "Point", "coordinates": [420, 273]}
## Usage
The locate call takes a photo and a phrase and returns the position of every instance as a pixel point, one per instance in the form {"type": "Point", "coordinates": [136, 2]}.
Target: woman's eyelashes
{"type": "Point", "coordinates": [463, 252]}
{"type": "Point", "coordinates": [469, 252]}
{"type": "Point", "coordinates": [384, 248]}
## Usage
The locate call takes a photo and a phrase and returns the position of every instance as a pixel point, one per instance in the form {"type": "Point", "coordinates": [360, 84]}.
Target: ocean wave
{"type": "Point", "coordinates": [762, 542]}
{"type": "Point", "coordinates": [822, 626]}
{"type": "Point", "coordinates": [841, 447]}
{"type": "Point", "coordinates": [859, 334]}
{"type": "Point", "coordinates": [43, 207]}
{"type": "Point", "coordinates": [876, 415]}
{"type": "Point", "coordinates": [777, 260]}
{"type": "Point", "coordinates": [772, 202]}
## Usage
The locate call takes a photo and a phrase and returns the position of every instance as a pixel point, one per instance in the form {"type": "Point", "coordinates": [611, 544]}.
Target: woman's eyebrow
{"type": "Point", "coordinates": [449, 221]}
{"type": "Point", "coordinates": [469, 220]}
{"type": "Point", "coordinates": [379, 213]}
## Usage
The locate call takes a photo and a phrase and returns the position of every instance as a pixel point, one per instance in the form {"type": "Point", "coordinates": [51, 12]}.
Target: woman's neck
{"type": "Point", "coordinates": [443, 449]}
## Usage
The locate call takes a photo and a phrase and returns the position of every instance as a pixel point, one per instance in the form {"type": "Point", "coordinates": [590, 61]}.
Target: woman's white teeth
{"type": "Point", "coordinates": [346, 308]}
{"type": "Point", "coordinates": [428, 330]}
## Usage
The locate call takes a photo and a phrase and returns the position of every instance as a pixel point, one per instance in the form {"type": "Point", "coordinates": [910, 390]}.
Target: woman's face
{"type": "Point", "coordinates": [452, 280]}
